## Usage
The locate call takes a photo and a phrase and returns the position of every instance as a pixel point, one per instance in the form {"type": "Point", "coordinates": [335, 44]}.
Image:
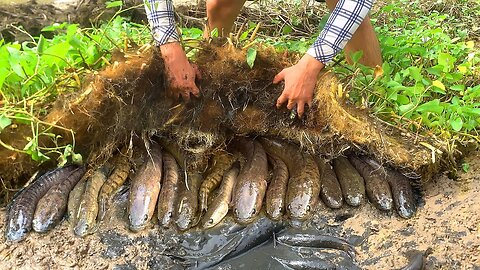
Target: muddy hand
{"type": "Point", "coordinates": [300, 80]}
{"type": "Point", "coordinates": [181, 74]}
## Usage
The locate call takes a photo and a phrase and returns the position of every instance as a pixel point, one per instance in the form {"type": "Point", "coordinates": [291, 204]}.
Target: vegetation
{"type": "Point", "coordinates": [429, 82]}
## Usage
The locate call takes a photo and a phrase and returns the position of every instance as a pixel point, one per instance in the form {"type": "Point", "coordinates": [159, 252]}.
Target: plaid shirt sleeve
{"type": "Point", "coordinates": [161, 17]}
{"type": "Point", "coordinates": [341, 25]}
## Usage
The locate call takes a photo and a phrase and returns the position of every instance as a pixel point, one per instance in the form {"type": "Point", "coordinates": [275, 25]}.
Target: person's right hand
{"type": "Point", "coordinates": [180, 73]}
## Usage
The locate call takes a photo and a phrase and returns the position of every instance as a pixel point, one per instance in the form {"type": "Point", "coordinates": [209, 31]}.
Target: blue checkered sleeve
{"type": "Point", "coordinates": [339, 29]}
{"type": "Point", "coordinates": [161, 17]}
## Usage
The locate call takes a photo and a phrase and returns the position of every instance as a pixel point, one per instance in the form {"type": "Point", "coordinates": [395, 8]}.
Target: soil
{"type": "Point", "coordinates": [447, 221]}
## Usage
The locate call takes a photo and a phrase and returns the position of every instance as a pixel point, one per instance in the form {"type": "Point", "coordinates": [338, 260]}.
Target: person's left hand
{"type": "Point", "coordinates": [300, 80]}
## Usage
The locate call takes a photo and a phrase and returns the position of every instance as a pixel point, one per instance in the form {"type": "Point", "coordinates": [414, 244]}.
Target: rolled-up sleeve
{"type": "Point", "coordinates": [161, 17]}
{"type": "Point", "coordinates": [339, 29]}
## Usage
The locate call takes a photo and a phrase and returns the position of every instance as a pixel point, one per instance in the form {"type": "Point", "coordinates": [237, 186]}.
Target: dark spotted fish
{"type": "Point", "coordinates": [316, 241]}
{"type": "Point", "coordinates": [277, 189]}
{"type": "Point", "coordinates": [51, 207]}
{"type": "Point", "coordinates": [74, 199]}
{"type": "Point", "coordinates": [304, 185]}
{"type": "Point", "coordinates": [402, 191]}
{"type": "Point", "coordinates": [376, 186]}
{"type": "Point", "coordinates": [187, 214]}
{"type": "Point", "coordinates": [22, 208]}
{"type": "Point", "coordinates": [218, 209]}
{"type": "Point", "coordinates": [169, 190]}
{"type": "Point", "coordinates": [221, 163]}
{"type": "Point", "coordinates": [144, 190]}
{"type": "Point", "coordinates": [353, 186]}
{"type": "Point", "coordinates": [87, 212]}
{"type": "Point", "coordinates": [114, 182]}
{"type": "Point", "coordinates": [330, 190]}
{"type": "Point", "coordinates": [308, 264]}
{"type": "Point", "coordinates": [251, 185]}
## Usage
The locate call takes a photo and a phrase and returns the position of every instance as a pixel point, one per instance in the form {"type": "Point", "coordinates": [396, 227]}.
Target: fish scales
{"type": "Point", "coordinates": [220, 204]}
{"type": "Point", "coordinates": [52, 206]}
{"type": "Point", "coordinates": [114, 182]}
{"type": "Point", "coordinates": [304, 184]}
{"type": "Point", "coordinates": [22, 207]}
{"type": "Point", "coordinates": [330, 190]}
{"type": "Point", "coordinates": [221, 163]}
{"type": "Point", "coordinates": [187, 214]}
{"type": "Point", "coordinates": [74, 199]}
{"type": "Point", "coordinates": [251, 185]}
{"type": "Point", "coordinates": [144, 190]}
{"type": "Point", "coordinates": [277, 189]}
{"type": "Point", "coordinates": [351, 182]}
{"type": "Point", "coordinates": [169, 190]}
{"type": "Point", "coordinates": [87, 212]}
{"type": "Point", "coordinates": [402, 191]}
{"type": "Point", "coordinates": [376, 186]}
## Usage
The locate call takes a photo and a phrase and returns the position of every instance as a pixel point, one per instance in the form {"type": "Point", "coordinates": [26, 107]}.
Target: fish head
{"type": "Point", "coordinates": [186, 215]}
{"type": "Point", "coordinates": [245, 207]}
{"type": "Point", "coordinates": [301, 206]}
{"type": "Point", "coordinates": [82, 228]}
{"type": "Point", "coordinates": [139, 212]}
{"type": "Point", "coordinates": [214, 215]}
{"type": "Point", "coordinates": [17, 227]}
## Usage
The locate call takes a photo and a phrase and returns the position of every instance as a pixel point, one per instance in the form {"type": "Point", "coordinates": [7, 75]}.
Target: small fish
{"type": "Point", "coordinates": [376, 186]}
{"type": "Point", "coordinates": [220, 204]}
{"type": "Point", "coordinates": [221, 163]}
{"type": "Point", "coordinates": [277, 189]}
{"type": "Point", "coordinates": [330, 190]}
{"type": "Point", "coordinates": [402, 191]}
{"type": "Point", "coordinates": [144, 190]}
{"type": "Point", "coordinates": [22, 207]}
{"type": "Point", "coordinates": [352, 183]}
{"type": "Point", "coordinates": [304, 184]}
{"type": "Point", "coordinates": [87, 212]}
{"type": "Point", "coordinates": [316, 241]}
{"type": "Point", "coordinates": [74, 199]}
{"type": "Point", "coordinates": [169, 190]}
{"type": "Point", "coordinates": [187, 213]}
{"type": "Point", "coordinates": [418, 260]}
{"type": "Point", "coordinates": [51, 207]}
{"type": "Point", "coordinates": [114, 182]}
{"type": "Point", "coordinates": [251, 185]}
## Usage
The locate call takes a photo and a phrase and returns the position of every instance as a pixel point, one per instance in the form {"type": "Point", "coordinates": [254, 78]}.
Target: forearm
{"type": "Point", "coordinates": [161, 17]}
{"type": "Point", "coordinates": [339, 29]}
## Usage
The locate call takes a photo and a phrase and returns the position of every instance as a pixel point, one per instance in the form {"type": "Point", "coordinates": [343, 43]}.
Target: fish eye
{"type": "Point", "coordinates": [210, 221]}
{"type": "Point", "coordinates": [254, 211]}
{"type": "Point", "coordinates": [308, 208]}
{"type": "Point", "coordinates": [289, 207]}
{"type": "Point", "coordinates": [170, 214]}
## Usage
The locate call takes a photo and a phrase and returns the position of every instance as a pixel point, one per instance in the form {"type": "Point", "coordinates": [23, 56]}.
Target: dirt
{"type": "Point", "coordinates": [447, 221]}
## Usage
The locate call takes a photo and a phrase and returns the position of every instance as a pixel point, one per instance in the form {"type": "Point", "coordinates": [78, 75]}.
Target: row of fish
{"type": "Point", "coordinates": [239, 180]}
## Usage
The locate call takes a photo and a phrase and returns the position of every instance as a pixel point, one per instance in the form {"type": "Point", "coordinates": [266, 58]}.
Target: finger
{"type": "Point", "coordinates": [279, 77]}
{"type": "Point", "coordinates": [198, 74]}
{"type": "Point", "coordinates": [300, 108]}
{"type": "Point", "coordinates": [281, 100]}
{"type": "Point", "coordinates": [291, 104]}
{"type": "Point", "coordinates": [195, 91]}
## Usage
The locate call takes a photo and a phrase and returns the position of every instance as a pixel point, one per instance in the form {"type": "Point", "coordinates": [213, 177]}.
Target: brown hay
{"type": "Point", "coordinates": [129, 98]}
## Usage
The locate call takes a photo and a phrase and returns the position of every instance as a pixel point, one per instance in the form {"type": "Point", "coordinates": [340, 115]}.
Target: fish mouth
{"type": "Point", "coordinates": [138, 223]}
{"type": "Point", "coordinates": [41, 227]}
{"type": "Point", "coordinates": [15, 236]}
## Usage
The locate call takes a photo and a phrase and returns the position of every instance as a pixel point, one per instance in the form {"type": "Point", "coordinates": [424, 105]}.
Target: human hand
{"type": "Point", "coordinates": [300, 80]}
{"type": "Point", "coordinates": [181, 74]}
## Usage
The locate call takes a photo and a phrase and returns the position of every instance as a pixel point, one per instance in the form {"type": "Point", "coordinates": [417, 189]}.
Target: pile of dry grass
{"type": "Point", "coordinates": [129, 98]}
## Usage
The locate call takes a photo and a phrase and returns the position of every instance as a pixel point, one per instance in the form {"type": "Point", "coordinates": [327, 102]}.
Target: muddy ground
{"type": "Point", "coordinates": [447, 221]}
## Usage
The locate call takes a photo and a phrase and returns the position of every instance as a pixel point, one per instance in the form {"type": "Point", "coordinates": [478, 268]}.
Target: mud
{"type": "Point", "coordinates": [447, 222]}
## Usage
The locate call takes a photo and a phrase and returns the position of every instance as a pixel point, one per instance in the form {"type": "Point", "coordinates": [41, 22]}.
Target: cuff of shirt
{"type": "Point", "coordinates": [322, 52]}
{"type": "Point", "coordinates": [165, 34]}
